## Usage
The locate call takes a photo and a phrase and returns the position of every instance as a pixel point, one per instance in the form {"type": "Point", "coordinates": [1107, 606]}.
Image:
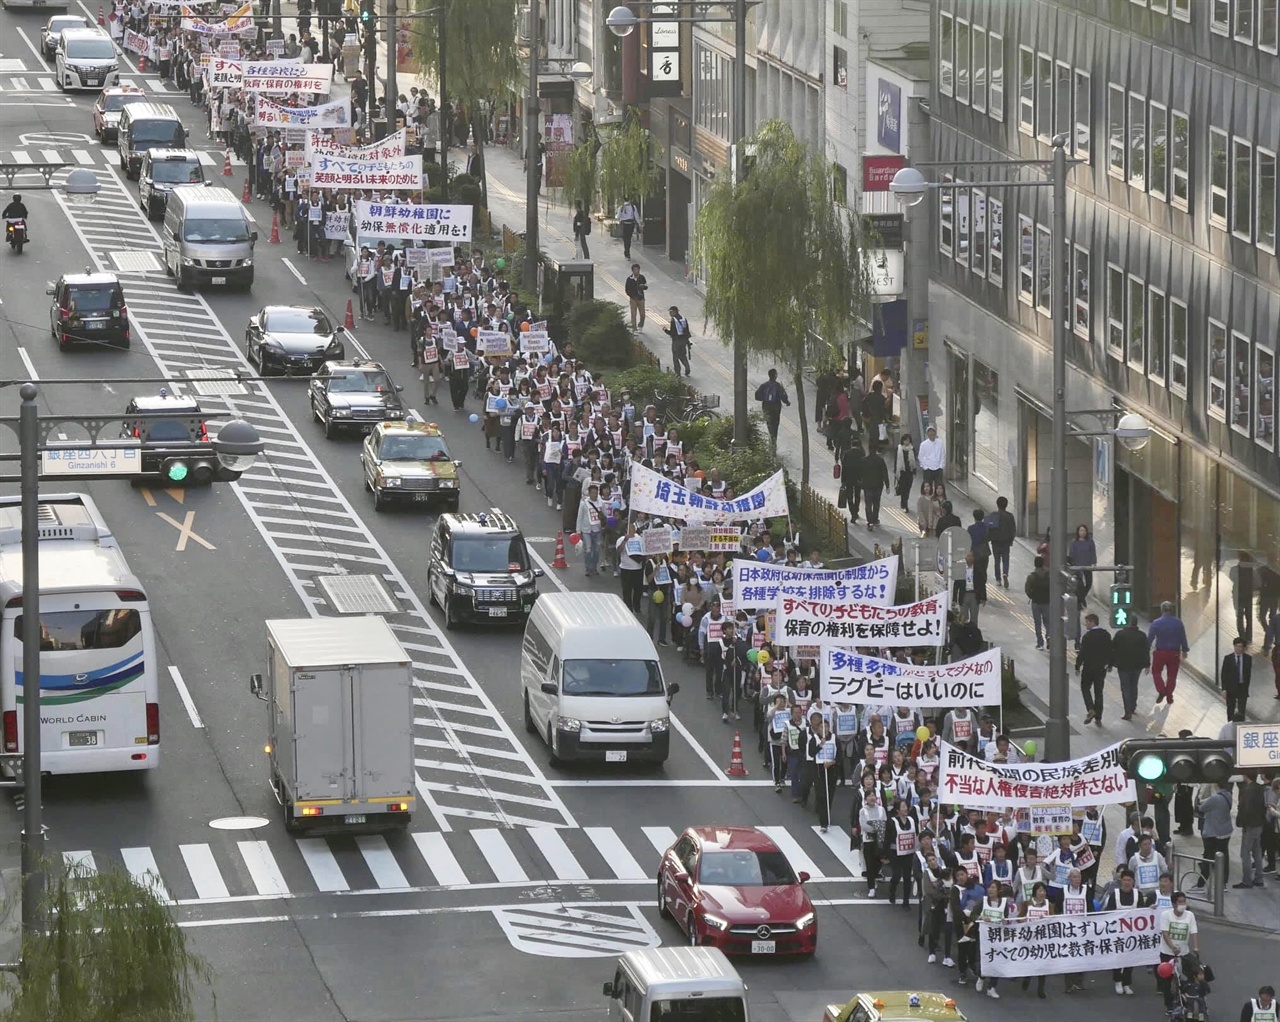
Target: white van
{"type": "Point", "coordinates": [208, 237]}
{"type": "Point", "coordinates": [676, 984]}
{"type": "Point", "coordinates": [86, 58]}
{"type": "Point", "coordinates": [593, 686]}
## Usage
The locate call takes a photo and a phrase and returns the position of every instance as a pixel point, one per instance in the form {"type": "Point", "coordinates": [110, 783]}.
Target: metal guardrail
{"type": "Point", "coordinates": [1186, 866]}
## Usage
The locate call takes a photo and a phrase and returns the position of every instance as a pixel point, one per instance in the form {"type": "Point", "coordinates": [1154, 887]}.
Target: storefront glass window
{"type": "Point", "coordinates": [986, 423]}
{"type": "Point", "coordinates": [958, 432]}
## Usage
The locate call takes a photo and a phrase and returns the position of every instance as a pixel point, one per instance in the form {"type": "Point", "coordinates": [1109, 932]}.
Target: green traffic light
{"type": "Point", "coordinates": [1150, 767]}
{"type": "Point", "coordinates": [177, 471]}
{"type": "Point", "coordinates": [1119, 617]}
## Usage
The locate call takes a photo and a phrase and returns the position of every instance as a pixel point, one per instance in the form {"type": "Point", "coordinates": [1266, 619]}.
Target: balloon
{"type": "Point", "coordinates": [575, 538]}
{"type": "Point", "coordinates": [524, 327]}
{"type": "Point", "coordinates": [764, 554]}
{"type": "Point", "coordinates": [548, 358]}
{"type": "Point", "coordinates": [763, 658]}
{"type": "Point", "coordinates": [473, 417]}
{"type": "Point", "coordinates": [686, 620]}
{"type": "Point", "coordinates": [611, 521]}
{"type": "Point", "coordinates": [658, 596]}
{"type": "Point", "coordinates": [687, 608]}
{"type": "Point", "coordinates": [1165, 970]}
{"type": "Point", "coordinates": [753, 655]}
{"type": "Point", "coordinates": [500, 263]}
{"type": "Point", "coordinates": [1030, 747]}
{"type": "Point", "coordinates": [474, 331]}
{"type": "Point", "coordinates": [699, 474]}
{"type": "Point", "coordinates": [501, 404]}
{"type": "Point", "coordinates": [922, 733]}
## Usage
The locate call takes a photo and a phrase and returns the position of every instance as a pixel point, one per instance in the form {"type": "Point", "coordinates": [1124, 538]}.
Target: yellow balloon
{"type": "Point", "coordinates": [922, 733]}
{"type": "Point", "coordinates": [764, 658]}
{"type": "Point", "coordinates": [658, 596]}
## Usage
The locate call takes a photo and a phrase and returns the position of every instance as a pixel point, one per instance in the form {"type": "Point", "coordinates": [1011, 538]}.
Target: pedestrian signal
{"type": "Point", "coordinates": [367, 15]}
{"type": "Point", "coordinates": [1178, 760]}
{"type": "Point", "coordinates": [1121, 604]}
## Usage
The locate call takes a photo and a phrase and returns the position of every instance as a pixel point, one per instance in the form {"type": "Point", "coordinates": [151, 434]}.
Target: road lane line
{"type": "Point", "coordinates": [615, 853]}
{"type": "Point", "coordinates": [28, 364]}
{"type": "Point", "coordinates": [381, 862]}
{"type": "Point", "coordinates": [440, 860]}
{"type": "Point", "coordinates": [48, 84]}
{"type": "Point", "coordinates": [82, 157]}
{"type": "Point", "coordinates": [203, 871]}
{"type": "Point", "coordinates": [262, 867]}
{"type": "Point", "coordinates": [185, 695]}
{"type": "Point", "coordinates": [506, 868]}
{"type": "Point", "coordinates": [796, 855]}
{"type": "Point", "coordinates": [556, 852]}
{"type": "Point", "coordinates": [661, 838]}
{"type": "Point", "coordinates": [141, 865]}
{"type": "Point", "coordinates": [21, 156]}
{"type": "Point", "coordinates": [35, 50]}
{"type": "Point", "coordinates": [838, 842]}
{"type": "Point", "coordinates": [325, 870]}
{"type": "Point", "coordinates": [79, 863]}
{"type": "Point", "coordinates": [294, 270]}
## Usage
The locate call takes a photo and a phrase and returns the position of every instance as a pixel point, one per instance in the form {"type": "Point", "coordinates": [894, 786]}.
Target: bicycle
{"type": "Point", "coordinates": [703, 408]}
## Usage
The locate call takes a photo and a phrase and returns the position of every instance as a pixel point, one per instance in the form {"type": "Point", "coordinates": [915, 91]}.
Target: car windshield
{"type": "Point", "coordinates": [178, 172]}
{"type": "Point", "coordinates": [489, 553]}
{"type": "Point", "coordinates": [165, 430]}
{"type": "Point", "coordinates": [120, 101]}
{"type": "Point", "coordinates": [157, 133]}
{"type": "Point", "coordinates": [413, 448]}
{"type": "Point", "coordinates": [91, 49]}
{"type": "Point", "coordinates": [298, 321]}
{"type": "Point", "coordinates": [741, 867]}
{"type": "Point", "coordinates": [216, 231]}
{"type": "Point", "coordinates": [360, 383]}
{"type": "Point", "coordinates": [91, 298]}
{"type": "Point", "coordinates": [701, 1009]}
{"type": "Point", "coordinates": [59, 25]}
{"type": "Point", "coordinates": [612, 678]}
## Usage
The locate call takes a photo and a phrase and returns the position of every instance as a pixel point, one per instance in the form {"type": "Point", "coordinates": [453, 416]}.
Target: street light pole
{"type": "Point", "coordinates": [739, 132]}
{"type": "Point", "coordinates": [1057, 729]}
{"type": "Point", "coordinates": [32, 807]}
{"type": "Point", "coordinates": [393, 58]}
{"type": "Point", "coordinates": [442, 22]}
{"type": "Point", "coordinates": [531, 157]}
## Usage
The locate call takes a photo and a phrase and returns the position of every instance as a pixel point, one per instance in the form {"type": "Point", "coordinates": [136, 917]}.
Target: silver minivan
{"type": "Point", "coordinates": [86, 58]}
{"type": "Point", "coordinates": [676, 983]}
{"type": "Point", "coordinates": [163, 170]}
{"type": "Point", "coordinates": [208, 237]}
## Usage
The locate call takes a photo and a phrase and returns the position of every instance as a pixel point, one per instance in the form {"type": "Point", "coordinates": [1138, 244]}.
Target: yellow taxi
{"type": "Point", "coordinates": [895, 1006]}
{"type": "Point", "coordinates": [409, 462]}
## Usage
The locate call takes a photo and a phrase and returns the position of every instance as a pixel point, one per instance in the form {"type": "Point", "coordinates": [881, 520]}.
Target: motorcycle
{"type": "Point", "coordinates": [15, 232]}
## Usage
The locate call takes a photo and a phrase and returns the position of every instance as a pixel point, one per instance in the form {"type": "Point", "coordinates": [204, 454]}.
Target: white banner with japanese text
{"type": "Point", "coordinates": [282, 77]}
{"type": "Point", "coordinates": [267, 114]}
{"type": "Point", "coordinates": [1055, 945]}
{"type": "Point", "coordinates": [390, 148]}
{"type": "Point", "coordinates": [406, 172]}
{"type": "Point", "coordinates": [832, 623]}
{"type": "Point", "coordinates": [654, 494]}
{"type": "Point", "coordinates": [756, 586]}
{"type": "Point", "coordinates": [239, 22]}
{"type": "Point", "coordinates": [851, 677]}
{"type": "Point", "coordinates": [403, 220]}
{"type": "Point", "coordinates": [1098, 779]}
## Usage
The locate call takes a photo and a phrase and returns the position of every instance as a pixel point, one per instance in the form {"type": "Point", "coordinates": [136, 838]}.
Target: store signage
{"type": "Point", "coordinates": [878, 171]}
{"type": "Point", "coordinates": [889, 116]}
{"type": "Point", "coordinates": [884, 228]}
{"type": "Point", "coordinates": [885, 268]}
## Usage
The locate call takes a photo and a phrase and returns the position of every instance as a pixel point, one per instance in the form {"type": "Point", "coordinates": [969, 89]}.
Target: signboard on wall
{"type": "Point", "coordinates": [889, 115]}
{"type": "Point", "coordinates": [878, 171]}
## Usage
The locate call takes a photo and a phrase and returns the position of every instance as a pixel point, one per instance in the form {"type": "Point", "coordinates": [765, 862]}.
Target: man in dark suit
{"type": "Point", "coordinates": [1235, 675]}
{"type": "Point", "coordinates": [1092, 663]}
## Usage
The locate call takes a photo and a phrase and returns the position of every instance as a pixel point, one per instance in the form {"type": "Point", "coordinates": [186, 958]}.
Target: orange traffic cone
{"type": "Point", "coordinates": [736, 767]}
{"type": "Point", "coordinates": [142, 63]}
{"type": "Point", "coordinates": [245, 196]}
{"type": "Point", "coordinates": [559, 561]}
{"type": "Point", "coordinates": [226, 163]}
{"type": "Point", "coordinates": [350, 323]}
{"type": "Point", "coordinates": [100, 21]}
{"type": "Point", "coordinates": [275, 230]}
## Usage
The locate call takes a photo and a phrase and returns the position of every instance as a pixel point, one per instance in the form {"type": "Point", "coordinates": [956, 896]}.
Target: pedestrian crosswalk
{"type": "Point", "coordinates": [232, 867]}
{"type": "Point", "coordinates": [34, 81]}
{"type": "Point", "coordinates": [91, 156]}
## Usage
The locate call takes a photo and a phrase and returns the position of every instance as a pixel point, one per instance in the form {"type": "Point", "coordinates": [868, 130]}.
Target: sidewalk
{"type": "Point", "coordinates": [1005, 620]}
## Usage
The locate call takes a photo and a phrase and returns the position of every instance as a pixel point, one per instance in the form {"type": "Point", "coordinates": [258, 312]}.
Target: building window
{"type": "Point", "coordinates": [995, 76]}
{"type": "Point", "coordinates": [978, 70]}
{"type": "Point", "coordinates": [840, 18]}
{"type": "Point", "coordinates": [1217, 358]}
{"type": "Point", "coordinates": [1178, 347]}
{"type": "Point", "coordinates": [1026, 259]}
{"type": "Point", "coordinates": [1084, 115]}
{"type": "Point", "coordinates": [1137, 141]}
{"type": "Point", "coordinates": [1026, 90]}
{"type": "Point", "coordinates": [1267, 35]}
{"type": "Point", "coordinates": [1241, 383]}
{"type": "Point", "coordinates": [1160, 6]}
{"type": "Point", "coordinates": [996, 262]}
{"type": "Point", "coordinates": [963, 57]}
{"type": "Point", "coordinates": [1242, 189]}
{"type": "Point", "coordinates": [1080, 292]}
{"type": "Point", "coordinates": [1244, 21]}
{"type": "Point", "coordinates": [1218, 178]}
{"type": "Point", "coordinates": [986, 423]}
{"type": "Point", "coordinates": [946, 218]}
{"type": "Point", "coordinates": [1220, 17]}
{"type": "Point", "coordinates": [1180, 163]}
{"type": "Point", "coordinates": [946, 54]}
{"type": "Point", "coordinates": [1044, 96]}
{"type": "Point", "coordinates": [1044, 271]}
{"type": "Point", "coordinates": [1115, 131]}
{"type": "Point", "coordinates": [963, 226]}
{"type": "Point", "coordinates": [839, 67]}
{"type": "Point", "coordinates": [1158, 133]}
{"type": "Point", "coordinates": [1062, 103]}
{"type": "Point", "coordinates": [1136, 332]}
{"type": "Point", "coordinates": [712, 95]}
{"type": "Point", "coordinates": [839, 185]}
{"type": "Point", "coordinates": [1157, 335]}
{"type": "Point", "coordinates": [1264, 431]}
{"type": "Point", "coordinates": [979, 202]}
{"type": "Point", "coordinates": [1115, 311]}
{"type": "Point", "coordinates": [1266, 202]}
{"type": "Point", "coordinates": [1182, 10]}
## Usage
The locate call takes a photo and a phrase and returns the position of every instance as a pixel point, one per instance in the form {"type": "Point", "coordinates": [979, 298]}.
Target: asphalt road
{"type": "Point", "coordinates": [475, 912]}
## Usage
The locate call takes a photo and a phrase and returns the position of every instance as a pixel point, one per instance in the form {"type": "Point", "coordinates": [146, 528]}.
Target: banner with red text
{"type": "Point", "coordinates": [1098, 779]}
{"type": "Point", "coordinates": [390, 148]}
{"type": "Point", "coordinates": [808, 622]}
{"type": "Point", "coordinates": [1055, 945]}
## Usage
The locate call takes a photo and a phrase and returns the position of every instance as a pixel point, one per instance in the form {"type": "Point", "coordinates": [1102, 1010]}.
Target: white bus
{"type": "Point", "coordinates": [99, 691]}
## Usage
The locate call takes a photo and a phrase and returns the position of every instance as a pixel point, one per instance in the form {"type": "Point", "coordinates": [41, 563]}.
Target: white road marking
{"type": "Point", "coordinates": [48, 84]}
{"type": "Point", "coordinates": [82, 157]}
{"type": "Point", "coordinates": [141, 865]}
{"type": "Point", "coordinates": [34, 49]}
{"type": "Point", "coordinates": [294, 270]}
{"type": "Point", "coordinates": [553, 848]}
{"type": "Point", "coordinates": [661, 838]}
{"type": "Point", "coordinates": [204, 872]}
{"type": "Point", "coordinates": [382, 864]}
{"type": "Point", "coordinates": [262, 867]}
{"type": "Point", "coordinates": [615, 853]}
{"type": "Point", "coordinates": [790, 847]}
{"type": "Point", "coordinates": [21, 156]}
{"type": "Point", "coordinates": [185, 695]}
{"type": "Point", "coordinates": [506, 868]}
{"type": "Point", "coordinates": [325, 870]}
{"type": "Point", "coordinates": [837, 840]}
{"type": "Point", "coordinates": [28, 364]}
{"type": "Point", "coordinates": [440, 860]}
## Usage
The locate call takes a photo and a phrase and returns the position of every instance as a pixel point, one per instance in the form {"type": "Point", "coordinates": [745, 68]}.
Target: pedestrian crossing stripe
{"type": "Point", "coordinates": [94, 157]}
{"type": "Point", "coordinates": [40, 82]}
{"type": "Point", "coordinates": [226, 869]}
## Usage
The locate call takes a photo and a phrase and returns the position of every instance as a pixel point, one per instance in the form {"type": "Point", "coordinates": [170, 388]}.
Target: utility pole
{"type": "Point", "coordinates": [33, 864]}
{"type": "Point", "coordinates": [393, 59]}
{"type": "Point", "coordinates": [531, 155]}
{"type": "Point", "coordinates": [442, 25]}
{"type": "Point", "coordinates": [739, 131]}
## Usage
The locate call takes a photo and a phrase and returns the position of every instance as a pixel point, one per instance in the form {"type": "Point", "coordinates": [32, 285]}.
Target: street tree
{"type": "Point", "coordinates": [580, 171]}
{"type": "Point", "coordinates": [109, 951]}
{"type": "Point", "coordinates": [628, 165]}
{"type": "Point", "coordinates": [782, 260]}
{"type": "Point", "coordinates": [481, 62]}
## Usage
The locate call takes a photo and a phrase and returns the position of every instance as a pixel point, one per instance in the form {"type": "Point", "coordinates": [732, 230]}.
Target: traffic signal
{"type": "Point", "coordinates": [199, 471]}
{"type": "Point", "coordinates": [1178, 760]}
{"type": "Point", "coordinates": [1121, 604]}
{"type": "Point", "coordinates": [368, 17]}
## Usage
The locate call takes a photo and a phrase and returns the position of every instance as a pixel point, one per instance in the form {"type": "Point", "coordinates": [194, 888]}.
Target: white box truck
{"type": "Point", "coordinates": [339, 739]}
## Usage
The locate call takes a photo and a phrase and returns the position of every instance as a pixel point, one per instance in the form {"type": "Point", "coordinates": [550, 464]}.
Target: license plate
{"type": "Point", "coordinates": [764, 947]}
{"type": "Point", "coordinates": [82, 739]}
{"type": "Point", "coordinates": [219, 280]}
{"type": "Point", "coordinates": [354, 819]}
{"type": "Point", "coordinates": [497, 611]}
{"type": "Point", "coordinates": [615, 756]}
{"type": "Point", "coordinates": [95, 326]}
{"type": "Point", "coordinates": [421, 498]}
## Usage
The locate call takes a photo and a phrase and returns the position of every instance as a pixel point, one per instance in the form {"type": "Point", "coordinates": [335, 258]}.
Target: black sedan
{"type": "Point", "coordinates": [291, 339]}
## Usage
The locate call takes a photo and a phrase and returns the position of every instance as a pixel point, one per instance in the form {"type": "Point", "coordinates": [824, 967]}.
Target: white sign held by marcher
{"type": "Point", "coordinates": [1055, 945]}
{"type": "Point", "coordinates": [756, 586]}
{"type": "Point", "coordinates": [1094, 780]}
{"type": "Point", "coordinates": [653, 493]}
{"type": "Point", "coordinates": [824, 623]}
{"type": "Point", "coordinates": [850, 677]}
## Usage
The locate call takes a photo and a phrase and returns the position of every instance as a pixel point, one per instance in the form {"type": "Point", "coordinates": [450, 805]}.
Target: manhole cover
{"type": "Point", "coordinates": [135, 262]}
{"type": "Point", "coordinates": [215, 384]}
{"type": "Point", "coordinates": [11, 64]}
{"type": "Point", "coordinates": [239, 823]}
{"type": "Point", "coordinates": [357, 594]}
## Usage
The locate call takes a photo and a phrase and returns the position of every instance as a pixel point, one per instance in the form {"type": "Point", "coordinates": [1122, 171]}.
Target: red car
{"type": "Point", "coordinates": [732, 888]}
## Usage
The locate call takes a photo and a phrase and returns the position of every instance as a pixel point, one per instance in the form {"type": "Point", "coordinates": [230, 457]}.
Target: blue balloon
{"type": "Point", "coordinates": [548, 358]}
{"type": "Point", "coordinates": [474, 417]}
{"type": "Point", "coordinates": [764, 554]}
{"type": "Point", "coordinates": [501, 404]}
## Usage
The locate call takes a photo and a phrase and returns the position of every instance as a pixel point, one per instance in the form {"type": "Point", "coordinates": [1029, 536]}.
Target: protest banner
{"type": "Point", "coordinates": [388, 220]}
{"type": "Point", "coordinates": [135, 42]}
{"type": "Point", "coordinates": [1056, 945]}
{"type": "Point", "coordinates": [415, 257]}
{"type": "Point", "coordinates": [656, 541]}
{"type": "Point", "coordinates": [267, 114]}
{"type": "Point", "coordinates": [295, 158]}
{"type": "Point", "coordinates": [850, 677]}
{"type": "Point", "coordinates": [282, 77]}
{"type": "Point", "coordinates": [229, 48]}
{"type": "Point", "coordinates": [653, 493]}
{"type": "Point", "coordinates": [1098, 779]}
{"type": "Point", "coordinates": [225, 73]}
{"type": "Point", "coordinates": [695, 537]}
{"type": "Point", "coordinates": [493, 343]}
{"type": "Point", "coordinates": [275, 48]}
{"type": "Point", "coordinates": [535, 342]}
{"type": "Point", "coordinates": [824, 623]}
{"type": "Point", "coordinates": [756, 586]}
{"type": "Point", "coordinates": [725, 539]}
{"type": "Point", "coordinates": [336, 225]}
{"type": "Point", "coordinates": [238, 22]}
{"type": "Point", "coordinates": [1051, 818]}
{"type": "Point", "coordinates": [390, 148]}
{"type": "Point", "coordinates": [406, 172]}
